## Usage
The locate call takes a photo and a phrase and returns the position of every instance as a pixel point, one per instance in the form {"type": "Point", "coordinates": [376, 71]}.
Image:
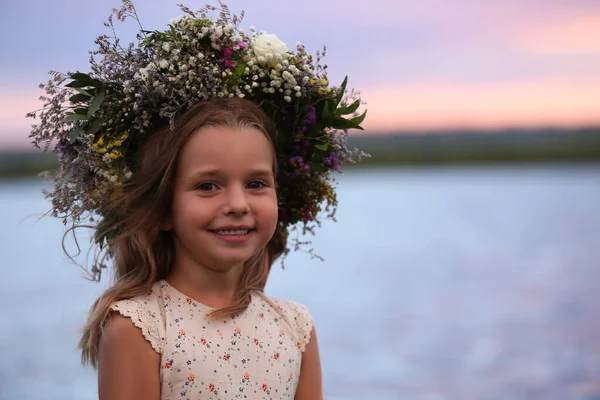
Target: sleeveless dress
{"type": "Point", "coordinates": [253, 355]}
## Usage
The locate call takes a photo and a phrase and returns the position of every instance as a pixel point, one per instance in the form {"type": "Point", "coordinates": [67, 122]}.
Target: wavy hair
{"type": "Point", "coordinates": [143, 253]}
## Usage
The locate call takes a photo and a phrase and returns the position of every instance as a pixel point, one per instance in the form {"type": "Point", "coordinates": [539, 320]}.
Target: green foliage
{"type": "Point", "coordinates": [90, 97]}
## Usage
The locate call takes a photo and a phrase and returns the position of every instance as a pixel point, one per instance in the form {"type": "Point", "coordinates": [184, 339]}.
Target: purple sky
{"type": "Point", "coordinates": [425, 64]}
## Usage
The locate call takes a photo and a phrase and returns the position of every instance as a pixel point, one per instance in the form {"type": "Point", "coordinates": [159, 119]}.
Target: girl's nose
{"type": "Point", "coordinates": [237, 201]}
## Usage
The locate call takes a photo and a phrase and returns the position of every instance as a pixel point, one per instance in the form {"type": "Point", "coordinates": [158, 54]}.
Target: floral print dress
{"type": "Point", "coordinates": [253, 355]}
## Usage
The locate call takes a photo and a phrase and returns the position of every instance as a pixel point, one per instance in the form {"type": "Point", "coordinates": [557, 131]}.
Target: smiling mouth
{"type": "Point", "coordinates": [232, 232]}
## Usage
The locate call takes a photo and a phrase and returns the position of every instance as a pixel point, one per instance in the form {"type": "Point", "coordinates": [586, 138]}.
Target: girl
{"type": "Point", "coordinates": [192, 264]}
{"type": "Point", "coordinates": [194, 155]}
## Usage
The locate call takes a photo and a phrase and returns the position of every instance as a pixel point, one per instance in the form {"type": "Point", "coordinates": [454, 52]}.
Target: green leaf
{"type": "Point", "coordinates": [340, 94]}
{"type": "Point", "coordinates": [84, 92]}
{"type": "Point", "coordinates": [345, 124]}
{"type": "Point", "coordinates": [327, 111]}
{"type": "Point", "coordinates": [74, 135]}
{"type": "Point", "coordinates": [75, 117]}
{"type": "Point", "coordinates": [81, 111]}
{"type": "Point", "coordinates": [95, 126]}
{"type": "Point", "coordinates": [359, 119]}
{"type": "Point", "coordinates": [97, 102]}
{"type": "Point", "coordinates": [76, 84]}
{"type": "Point", "coordinates": [76, 98]}
{"type": "Point", "coordinates": [322, 147]}
{"type": "Point", "coordinates": [350, 109]}
{"type": "Point", "coordinates": [318, 167]}
{"type": "Point", "coordinates": [85, 79]}
{"type": "Point", "coordinates": [80, 76]}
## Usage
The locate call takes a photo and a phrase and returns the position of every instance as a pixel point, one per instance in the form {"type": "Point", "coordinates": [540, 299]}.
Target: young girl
{"type": "Point", "coordinates": [198, 151]}
{"type": "Point", "coordinates": [192, 266]}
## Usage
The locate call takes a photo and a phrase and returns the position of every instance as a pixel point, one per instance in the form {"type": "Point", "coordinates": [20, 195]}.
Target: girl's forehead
{"type": "Point", "coordinates": [225, 148]}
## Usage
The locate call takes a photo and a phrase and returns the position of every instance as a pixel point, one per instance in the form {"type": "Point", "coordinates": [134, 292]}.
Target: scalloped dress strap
{"type": "Point", "coordinates": [143, 318]}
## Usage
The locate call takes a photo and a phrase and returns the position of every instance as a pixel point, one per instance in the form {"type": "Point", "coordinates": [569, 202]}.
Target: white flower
{"type": "Point", "coordinates": [166, 46]}
{"type": "Point", "coordinates": [268, 48]}
{"type": "Point", "coordinates": [163, 64]}
{"type": "Point", "coordinates": [288, 99]}
{"type": "Point", "coordinates": [175, 20]}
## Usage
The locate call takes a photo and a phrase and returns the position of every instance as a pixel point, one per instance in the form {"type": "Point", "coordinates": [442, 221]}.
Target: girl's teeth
{"type": "Point", "coordinates": [238, 232]}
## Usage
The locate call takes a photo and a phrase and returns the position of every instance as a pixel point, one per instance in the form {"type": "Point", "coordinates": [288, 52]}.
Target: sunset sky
{"type": "Point", "coordinates": [420, 65]}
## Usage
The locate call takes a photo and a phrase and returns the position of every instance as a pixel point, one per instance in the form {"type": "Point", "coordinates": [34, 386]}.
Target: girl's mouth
{"type": "Point", "coordinates": [232, 232]}
{"type": "Point", "coordinates": [238, 236]}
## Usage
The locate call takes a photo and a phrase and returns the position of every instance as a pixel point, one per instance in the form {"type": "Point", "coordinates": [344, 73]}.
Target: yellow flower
{"type": "Point", "coordinates": [323, 81]}
{"type": "Point", "coordinates": [101, 150]}
{"type": "Point", "coordinates": [100, 141]}
{"type": "Point", "coordinates": [329, 90]}
{"type": "Point", "coordinates": [124, 136]}
{"type": "Point", "coordinates": [313, 81]}
{"type": "Point", "coordinates": [115, 154]}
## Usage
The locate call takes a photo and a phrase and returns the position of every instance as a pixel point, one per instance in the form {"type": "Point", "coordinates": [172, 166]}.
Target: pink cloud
{"type": "Point", "coordinates": [444, 105]}
{"type": "Point", "coordinates": [14, 127]}
{"type": "Point", "coordinates": [569, 36]}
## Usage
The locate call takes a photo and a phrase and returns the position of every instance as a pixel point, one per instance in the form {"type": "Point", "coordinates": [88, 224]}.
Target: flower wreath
{"type": "Point", "coordinates": [93, 119]}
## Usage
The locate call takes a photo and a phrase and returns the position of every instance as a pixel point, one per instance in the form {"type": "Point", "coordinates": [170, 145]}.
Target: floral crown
{"type": "Point", "coordinates": [94, 119]}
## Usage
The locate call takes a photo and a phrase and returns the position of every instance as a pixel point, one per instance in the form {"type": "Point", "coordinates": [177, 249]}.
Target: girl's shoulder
{"type": "Point", "coordinates": [299, 316]}
{"type": "Point", "coordinates": [146, 312]}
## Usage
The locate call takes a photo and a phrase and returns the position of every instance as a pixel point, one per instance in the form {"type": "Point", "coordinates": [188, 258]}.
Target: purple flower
{"type": "Point", "coordinates": [297, 161]}
{"type": "Point", "coordinates": [227, 63]}
{"type": "Point", "coordinates": [307, 217]}
{"type": "Point", "coordinates": [333, 161]}
{"type": "Point", "coordinates": [311, 115]}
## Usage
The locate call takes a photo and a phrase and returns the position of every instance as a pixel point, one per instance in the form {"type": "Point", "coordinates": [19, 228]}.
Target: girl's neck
{"type": "Point", "coordinates": [213, 288]}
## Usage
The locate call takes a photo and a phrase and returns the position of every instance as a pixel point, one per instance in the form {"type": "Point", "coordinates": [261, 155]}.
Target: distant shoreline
{"type": "Point", "coordinates": [549, 145]}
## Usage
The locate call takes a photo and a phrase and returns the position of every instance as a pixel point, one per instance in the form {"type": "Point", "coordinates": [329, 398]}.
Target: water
{"type": "Point", "coordinates": [438, 283]}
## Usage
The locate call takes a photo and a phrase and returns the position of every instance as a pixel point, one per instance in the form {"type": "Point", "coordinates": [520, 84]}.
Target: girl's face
{"type": "Point", "coordinates": [224, 200]}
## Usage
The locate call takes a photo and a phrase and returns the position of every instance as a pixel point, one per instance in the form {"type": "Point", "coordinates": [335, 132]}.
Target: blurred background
{"type": "Point", "coordinates": [464, 263]}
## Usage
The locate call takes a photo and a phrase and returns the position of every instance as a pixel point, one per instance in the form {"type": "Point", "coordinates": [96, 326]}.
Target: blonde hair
{"type": "Point", "coordinates": [142, 252]}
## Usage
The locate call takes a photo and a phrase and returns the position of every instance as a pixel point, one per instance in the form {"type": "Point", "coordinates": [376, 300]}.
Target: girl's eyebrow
{"type": "Point", "coordinates": [217, 172]}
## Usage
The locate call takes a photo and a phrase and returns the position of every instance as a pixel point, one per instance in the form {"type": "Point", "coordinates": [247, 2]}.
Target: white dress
{"type": "Point", "coordinates": [254, 355]}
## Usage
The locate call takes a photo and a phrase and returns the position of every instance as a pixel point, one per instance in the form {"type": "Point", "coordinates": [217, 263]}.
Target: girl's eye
{"type": "Point", "coordinates": [256, 185]}
{"type": "Point", "coordinates": [207, 187]}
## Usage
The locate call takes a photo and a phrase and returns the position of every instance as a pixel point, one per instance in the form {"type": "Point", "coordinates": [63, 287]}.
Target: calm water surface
{"type": "Point", "coordinates": [438, 283]}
